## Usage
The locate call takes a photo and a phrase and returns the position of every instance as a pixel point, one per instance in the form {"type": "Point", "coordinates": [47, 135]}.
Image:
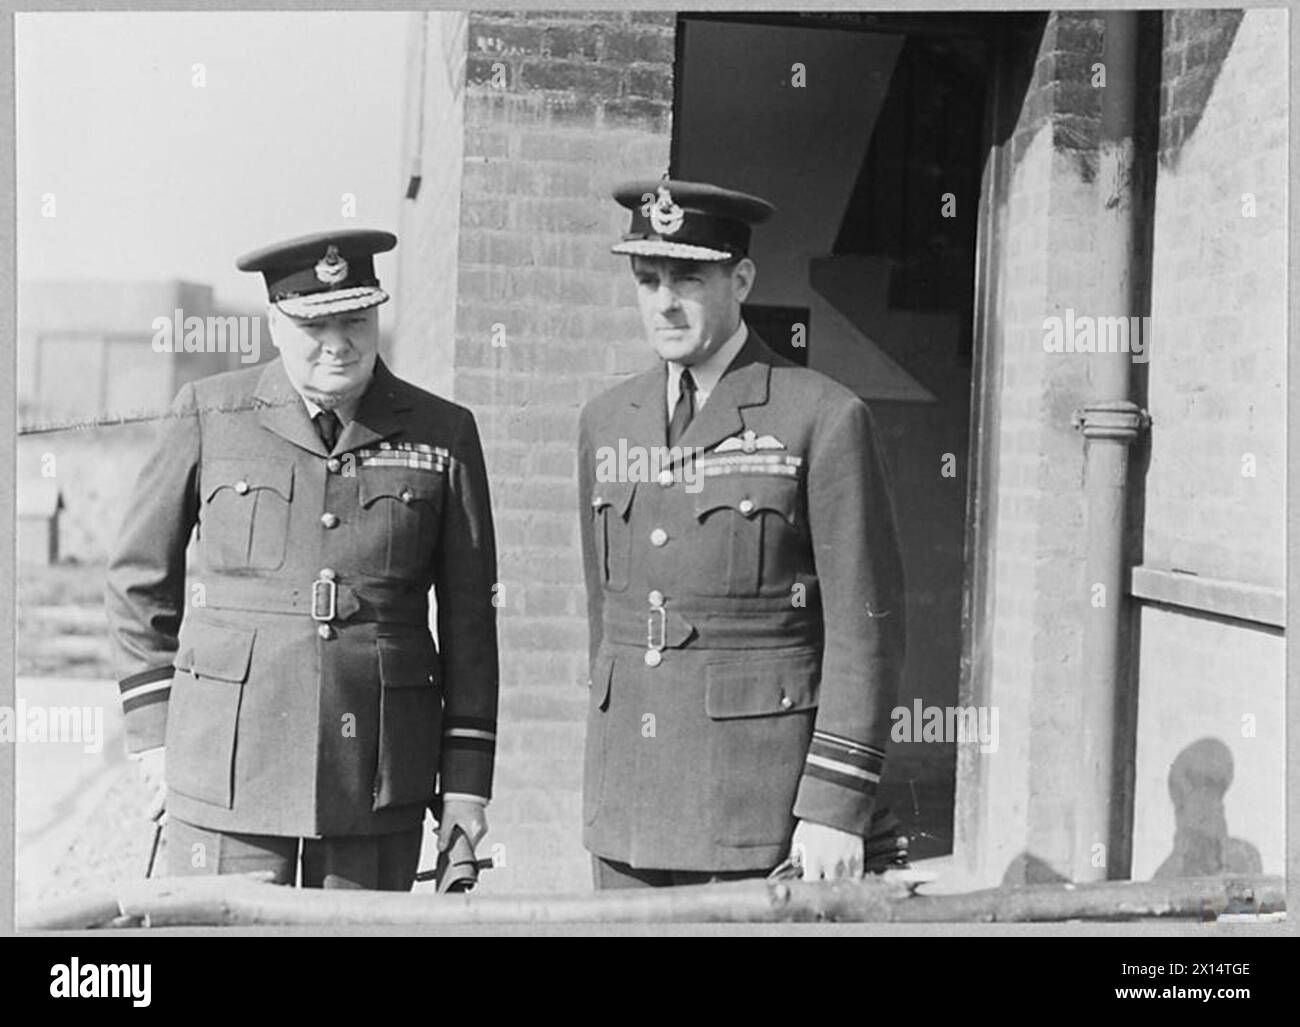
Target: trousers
{"type": "Point", "coordinates": [610, 873]}
{"type": "Point", "coordinates": [383, 862]}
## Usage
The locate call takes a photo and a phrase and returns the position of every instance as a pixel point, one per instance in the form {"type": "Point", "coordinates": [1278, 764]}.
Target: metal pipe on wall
{"type": "Point", "coordinates": [1110, 422]}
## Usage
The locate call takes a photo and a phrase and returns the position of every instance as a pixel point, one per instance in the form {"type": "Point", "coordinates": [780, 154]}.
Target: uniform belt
{"type": "Point", "coordinates": [322, 600]}
{"type": "Point", "coordinates": [697, 623]}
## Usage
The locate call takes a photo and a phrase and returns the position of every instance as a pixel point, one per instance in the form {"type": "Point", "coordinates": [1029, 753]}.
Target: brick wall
{"type": "Point", "coordinates": [1218, 371]}
{"type": "Point", "coordinates": [1215, 389]}
{"type": "Point", "coordinates": [1217, 397]}
{"type": "Point", "coordinates": [558, 108]}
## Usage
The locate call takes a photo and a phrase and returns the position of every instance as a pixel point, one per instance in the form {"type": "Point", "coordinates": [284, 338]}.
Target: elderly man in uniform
{"type": "Point", "coordinates": [308, 718]}
{"type": "Point", "coordinates": [745, 598]}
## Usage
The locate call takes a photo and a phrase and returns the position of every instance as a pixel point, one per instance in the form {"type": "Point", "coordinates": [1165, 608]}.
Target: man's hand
{"type": "Point", "coordinates": [469, 816]}
{"type": "Point", "coordinates": [149, 765]}
{"type": "Point", "coordinates": [826, 852]}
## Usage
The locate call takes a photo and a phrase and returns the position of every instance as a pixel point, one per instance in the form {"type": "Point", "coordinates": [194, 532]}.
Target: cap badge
{"type": "Point", "coordinates": [664, 215]}
{"type": "Point", "coordinates": [331, 268]}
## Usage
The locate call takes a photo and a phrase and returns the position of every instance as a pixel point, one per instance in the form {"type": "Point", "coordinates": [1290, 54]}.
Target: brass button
{"type": "Point", "coordinates": [324, 630]}
{"type": "Point", "coordinates": [653, 657]}
{"type": "Point", "coordinates": [241, 487]}
{"type": "Point", "coordinates": [327, 574]}
{"type": "Point", "coordinates": [786, 702]}
{"type": "Point", "coordinates": [333, 464]}
{"type": "Point", "coordinates": [656, 599]}
{"type": "Point", "coordinates": [746, 506]}
{"type": "Point", "coordinates": [407, 495]}
{"type": "Point", "coordinates": [665, 478]}
{"type": "Point", "coordinates": [658, 537]}
{"type": "Point", "coordinates": [329, 520]}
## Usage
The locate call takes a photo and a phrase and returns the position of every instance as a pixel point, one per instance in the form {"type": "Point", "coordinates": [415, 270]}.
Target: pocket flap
{"type": "Point", "coordinates": [602, 672]}
{"type": "Point", "coordinates": [761, 685]}
{"type": "Point", "coordinates": [247, 475]}
{"type": "Point", "coordinates": [212, 651]}
{"type": "Point", "coordinates": [407, 665]}
{"type": "Point", "coordinates": [748, 495]}
{"type": "Point", "coordinates": [400, 485]}
{"type": "Point", "coordinates": [616, 494]}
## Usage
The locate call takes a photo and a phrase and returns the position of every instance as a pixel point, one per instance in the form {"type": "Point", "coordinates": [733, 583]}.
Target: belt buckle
{"type": "Point", "coordinates": [650, 629]}
{"type": "Point", "coordinates": [324, 600]}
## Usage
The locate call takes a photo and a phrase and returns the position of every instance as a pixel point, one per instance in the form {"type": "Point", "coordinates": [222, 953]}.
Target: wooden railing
{"type": "Point", "coordinates": [248, 901]}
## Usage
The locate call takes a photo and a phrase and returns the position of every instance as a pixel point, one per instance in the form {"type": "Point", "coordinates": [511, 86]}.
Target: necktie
{"type": "Point", "coordinates": [327, 427]}
{"type": "Point", "coordinates": [684, 410]}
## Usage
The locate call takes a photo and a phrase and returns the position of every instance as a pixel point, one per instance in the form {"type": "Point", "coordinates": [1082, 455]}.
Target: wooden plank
{"type": "Point", "coordinates": [249, 902]}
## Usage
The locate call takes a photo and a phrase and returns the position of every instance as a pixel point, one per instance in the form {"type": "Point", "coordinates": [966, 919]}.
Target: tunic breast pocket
{"type": "Point", "coordinates": [400, 513]}
{"type": "Point", "coordinates": [611, 505]}
{"type": "Point", "coordinates": [244, 522]}
{"type": "Point", "coordinates": [751, 534]}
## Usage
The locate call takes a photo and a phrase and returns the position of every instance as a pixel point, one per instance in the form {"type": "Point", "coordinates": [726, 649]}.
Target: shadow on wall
{"type": "Point", "coordinates": [1196, 44]}
{"type": "Point", "coordinates": [1029, 869]}
{"type": "Point", "coordinates": [1198, 780]}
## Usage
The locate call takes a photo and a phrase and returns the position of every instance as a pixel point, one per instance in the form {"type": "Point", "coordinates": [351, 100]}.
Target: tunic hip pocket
{"type": "Point", "coordinates": [761, 710]}
{"type": "Point", "coordinates": [410, 724]}
{"type": "Point", "coordinates": [203, 713]}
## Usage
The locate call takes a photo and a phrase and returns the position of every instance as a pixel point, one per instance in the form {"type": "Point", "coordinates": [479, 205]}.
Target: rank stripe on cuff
{"type": "Point", "coordinates": [844, 762]}
{"type": "Point", "coordinates": [847, 744]}
{"type": "Point", "coordinates": [146, 695]}
{"type": "Point", "coordinates": [842, 768]}
{"type": "Point", "coordinates": [145, 677]}
{"type": "Point", "coordinates": [469, 732]}
{"type": "Point", "coordinates": [833, 775]}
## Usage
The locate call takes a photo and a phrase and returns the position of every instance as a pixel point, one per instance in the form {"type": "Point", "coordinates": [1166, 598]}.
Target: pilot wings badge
{"type": "Point", "coordinates": [749, 453]}
{"type": "Point", "coordinates": [665, 216]}
{"type": "Point", "coordinates": [331, 268]}
{"type": "Point", "coordinates": [749, 443]}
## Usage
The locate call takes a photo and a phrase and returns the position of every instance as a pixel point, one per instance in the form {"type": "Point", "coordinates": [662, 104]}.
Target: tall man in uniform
{"type": "Point", "coordinates": [289, 671]}
{"type": "Point", "coordinates": [745, 597]}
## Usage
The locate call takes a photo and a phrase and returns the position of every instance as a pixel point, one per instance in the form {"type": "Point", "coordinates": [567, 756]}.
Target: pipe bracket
{"type": "Point", "coordinates": [1118, 420]}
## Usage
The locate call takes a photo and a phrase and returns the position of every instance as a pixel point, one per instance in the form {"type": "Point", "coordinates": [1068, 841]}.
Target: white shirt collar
{"type": "Point", "coordinates": [347, 412]}
{"type": "Point", "coordinates": [708, 372]}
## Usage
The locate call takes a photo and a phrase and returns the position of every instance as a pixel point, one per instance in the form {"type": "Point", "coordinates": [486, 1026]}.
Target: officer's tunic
{"type": "Point", "coordinates": [292, 674]}
{"type": "Point", "coordinates": [746, 636]}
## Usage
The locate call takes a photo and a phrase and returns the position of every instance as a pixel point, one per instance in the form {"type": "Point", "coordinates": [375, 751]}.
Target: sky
{"type": "Point", "coordinates": [156, 177]}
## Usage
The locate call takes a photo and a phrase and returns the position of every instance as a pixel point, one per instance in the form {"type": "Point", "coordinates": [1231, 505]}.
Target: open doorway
{"type": "Point", "coordinates": [868, 136]}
